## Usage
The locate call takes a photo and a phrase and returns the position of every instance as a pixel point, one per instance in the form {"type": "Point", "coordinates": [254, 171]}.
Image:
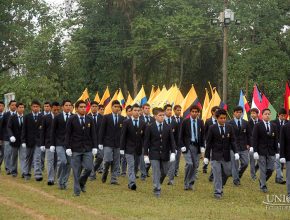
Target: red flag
{"type": "Point", "coordinates": [286, 97]}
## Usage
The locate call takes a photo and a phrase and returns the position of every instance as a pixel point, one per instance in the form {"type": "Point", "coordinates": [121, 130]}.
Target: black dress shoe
{"type": "Point", "coordinates": [14, 174]}
{"type": "Point", "coordinates": [38, 179]}
{"type": "Point", "coordinates": [280, 181]}
{"type": "Point", "coordinates": [83, 189]}
{"type": "Point", "coordinates": [104, 179]}
{"type": "Point", "coordinates": [115, 183]}
{"type": "Point", "coordinates": [50, 183]}
{"type": "Point", "coordinates": [170, 183]}
{"type": "Point", "coordinates": [133, 187]}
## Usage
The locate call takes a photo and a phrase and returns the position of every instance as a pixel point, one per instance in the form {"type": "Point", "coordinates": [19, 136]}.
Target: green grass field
{"type": "Point", "coordinates": [36, 200]}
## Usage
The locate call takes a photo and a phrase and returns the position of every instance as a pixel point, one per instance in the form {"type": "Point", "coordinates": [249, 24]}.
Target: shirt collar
{"type": "Point", "coordinates": [84, 116]}
{"type": "Point", "coordinates": [135, 119]}
{"type": "Point", "coordinates": [158, 123]}
{"type": "Point", "coordinates": [19, 115]}
{"type": "Point", "coordinates": [213, 120]}
{"type": "Point", "coordinates": [64, 114]}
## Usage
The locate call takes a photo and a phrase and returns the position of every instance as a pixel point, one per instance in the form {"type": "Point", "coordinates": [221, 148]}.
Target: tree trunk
{"type": "Point", "coordinates": [134, 77]}
{"type": "Point", "coordinates": [181, 71]}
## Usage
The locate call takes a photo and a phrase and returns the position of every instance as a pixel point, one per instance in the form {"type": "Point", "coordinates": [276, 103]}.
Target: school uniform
{"type": "Point", "coordinates": [14, 129]}
{"type": "Point", "coordinates": [123, 161]}
{"type": "Point", "coordinates": [158, 144]}
{"type": "Point", "coordinates": [144, 168]}
{"type": "Point", "coordinates": [179, 121]}
{"type": "Point", "coordinates": [81, 138]}
{"type": "Point", "coordinates": [279, 172]}
{"type": "Point", "coordinates": [254, 166]}
{"type": "Point", "coordinates": [6, 141]}
{"type": "Point", "coordinates": [220, 141]}
{"type": "Point", "coordinates": [265, 143]}
{"type": "Point", "coordinates": [45, 140]}
{"type": "Point", "coordinates": [98, 159]}
{"type": "Point", "coordinates": [109, 137]}
{"type": "Point", "coordinates": [242, 134]}
{"type": "Point", "coordinates": [31, 137]}
{"type": "Point", "coordinates": [58, 131]}
{"type": "Point", "coordinates": [1, 140]}
{"type": "Point", "coordinates": [131, 142]}
{"type": "Point", "coordinates": [175, 130]}
{"type": "Point", "coordinates": [285, 152]}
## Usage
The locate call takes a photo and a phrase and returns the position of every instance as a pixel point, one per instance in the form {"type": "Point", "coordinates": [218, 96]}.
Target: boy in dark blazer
{"type": "Point", "coordinates": [280, 122]}
{"type": "Point", "coordinates": [159, 149]}
{"type": "Point", "coordinates": [30, 139]}
{"type": "Point", "coordinates": [242, 134]}
{"type": "Point", "coordinates": [14, 129]}
{"type": "Point", "coordinates": [192, 142]}
{"type": "Point", "coordinates": [285, 152]}
{"type": "Point", "coordinates": [220, 141]}
{"type": "Point", "coordinates": [2, 108]}
{"type": "Point", "coordinates": [97, 118]}
{"type": "Point", "coordinates": [81, 145]}
{"type": "Point", "coordinates": [58, 131]}
{"type": "Point", "coordinates": [45, 141]}
{"type": "Point", "coordinates": [265, 144]}
{"type": "Point", "coordinates": [109, 140]}
{"type": "Point", "coordinates": [131, 144]}
{"type": "Point", "coordinates": [252, 121]}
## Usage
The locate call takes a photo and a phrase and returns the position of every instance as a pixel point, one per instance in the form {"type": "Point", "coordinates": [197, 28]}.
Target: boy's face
{"type": "Point", "coordinates": [12, 106]}
{"type": "Point", "coordinates": [238, 114]}
{"type": "Point", "coordinates": [116, 108]}
{"type": "Point", "coordinates": [194, 113]}
{"type": "Point", "coordinates": [67, 107]}
{"type": "Point", "coordinates": [101, 110]}
{"type": "Point", "coordinates": [130, 112]}
{"type": "Point", "coordinates": [35, 108]}
{"type": "Point", "coordinates": [222, 119]}
{"type": "Point", "coordinates": [47, 108]}
{"type": "Point", "coordinates": [94, 108]}
{"type": "Point", "coordinates": [135, 112]}
{"type": "Point", "coordinates": [20, 109]}
{"type": "Point", "coordinates": [266, 115]}
{"type": "Point", "coordinates": [254, 115]}
{"type": "Point", "coordinates": [177, 112]}
{"type": "Point", "coordinates": [159, 117]}
{"type": "Point", "coordinates": [2, 107]}
{"type": "Point", "coordinates": [82, 109]}
{"type": "Point", "coordinates": [283, 116]}
{"type": "Point", "coordinates": [168, 112]}
{"type": "Point", "coordinates": [146, 110]}
{"type": "Point", "coordinates": [55, 110]}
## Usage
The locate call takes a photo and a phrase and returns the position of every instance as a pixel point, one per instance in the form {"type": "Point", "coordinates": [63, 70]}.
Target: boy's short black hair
{"type": "Point", "coordinates": [220, 112]}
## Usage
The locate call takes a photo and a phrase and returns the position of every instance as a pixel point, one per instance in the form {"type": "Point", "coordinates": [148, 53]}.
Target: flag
{"type": "Point", "coordinates": [108, 108]}
{"type": "Point", "coordinates": [205, 103]}
{"type": "Point", "coordinates": [140, 99]}
{"type": "Point", "coordinates": [287, 98]}
{"type": "Point", "coordinates": [152, 92]}
{"type": "Point", "coordinates": [170, 97]}
{"type": "Point", "coordinates": [129, 99]}
{"type": "Point", "coordinates": [121, 99]}
{"type": "Point", "coordinates": [85, 97]}
{"type": "Point", "coordinates": [190, 99]}
{"type": "Point", "coordinates": [179, 98]}
{"type": "Point", "coordinates": [106, 98]}
{"type": "Point", "coordinates": [158, 99]}
{"type": "Point", "coordinates": [156, 93]}
{"type": "Point", "coordinates": [97, 98]}
{"type": "Point", "coordinates": [244, 104]}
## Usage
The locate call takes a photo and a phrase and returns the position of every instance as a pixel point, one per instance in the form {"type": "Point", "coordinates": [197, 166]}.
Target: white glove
{"type": "Point", "coordinates": [94, 151]}
{"type": "Point", "coordinates": [172, 157]}
{"type": "Point", "coordinates": [52, 149]}
{"type": "Point", "coordinates": [68, 152]}
{"type": "Point", "coordinates": [23, 145]}
{"type": "Point", "coordinates": [42, 148]}
{"type": "Point", "coordinates": [12, 139]}
{"type": "Point", "coordinates": [101, 147]}
{"type": "Point", "coordinates": [202, 149]}
{"type": "Point", "coordinates": [183, 149]}
{"type": "Point", "coordinates": [256, 156]}
{"type": "Point", "coordinates": [122, 152]}
{"type": "Point", "coordinates": [237, 156]}
{"type": "Point", "coordinates": [277, 156]}
{"type": "Point", "coordinates": [146, 159]}
{"type": "Point", "coordinates": [251, 149]}
{"type": "Point", "coordinates": [205, 160]}
{"type": "Point", "coordinates": [282, 160]}
{"type": "Point", "coordinates": [278, 145]}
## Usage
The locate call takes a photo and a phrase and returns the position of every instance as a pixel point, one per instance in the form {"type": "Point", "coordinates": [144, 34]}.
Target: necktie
{"type": "Point", "coordinates": [66, 118]}
{"type": "Point", "coordinates": [194, 129]}
{"type": "Point", "coordinates": [160, 128]}
{"type": "Point", "coordinates": [215, 121]}
{"type": "Point", "coordinates": [255, 122]}
{"type": "Point", "coordinates": [177, 119]}
{"type": "Point", "coordinates": [135, 123]}
{"type": "Point", "coordinates": [147, 119]}
{"type": "Point", "coordinates": [222, 130]}
{"type": "Point", "coordinates": [239, 125]}
{"type": "Point", "coordinates": [95, 116]}
{"type": "Point", "coordinates": [21, 120]}
{"type": "Point", "coordinates": [281, 123]}
{"type": "Point", "coordinates": [168, 121]}
{"type": "Point", "coordinates": [116, 120]}
{"type": "Point", "coordinates": [35, 117]}
{"type": "Point", "coordinates": [267, 127]}
{"type": "Point", "coordinates": [82, 122]}
{"type": "Point", "coordinates": [1, 115]}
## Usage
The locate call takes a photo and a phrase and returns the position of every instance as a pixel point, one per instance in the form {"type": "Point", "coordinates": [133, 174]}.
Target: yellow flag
{"type": "Point", "coordinates": [156, 93]}
{"type": "Point", "coordinates": [140, 99]}
{"type": "Point", "coordinates": [190, 99]}
{"type": "Point", "coordinates": [84, 97]}
{"type": "Point", "coordinates": [215, 101]}
{"type": "Point", "coordinates": [179, 98]}
{"type": "Point", "coordinates": [152, 92]}
{"type": "Point", "coordinates": [106, 97]}
{"type": "Point", "coordinates": [205, 103]}
{"type": "Point", "coordinates": [108, 108]}
{"type": "Point", "coordinates": [170, 97]}
{"type": "Point", "coordinates": [158, 99]}
{"type": "Point", "coordinates": [129, 99]}
{"type": "Point", "coordinates": [97, 98]}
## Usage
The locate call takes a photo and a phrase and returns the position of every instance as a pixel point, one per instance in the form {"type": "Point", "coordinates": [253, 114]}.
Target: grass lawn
{"type": "Point", "coordinates": [36, 200]}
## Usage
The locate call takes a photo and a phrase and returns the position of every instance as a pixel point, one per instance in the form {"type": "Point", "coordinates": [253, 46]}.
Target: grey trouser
{"type": "Point", "coordinates": [143, 167]}
{"type": "Point", "coordinates": [288, 176]}
{"type": "Point", "coordinates": [37, 162]}
{"type": "Point", "coordinates": [221, 171]}
{"type": "Point", "coordinates": [159, 171]}
{"type": "Point", "coordinates": [81, 161]}
{"type": "Point", "coordinates": [42, 160]}
{"type": "Point", "coordinates": [112, 158]}
{"type": "Point", "coordinates": [51, 161]}
{"type": "Point", "coordinates": [191, 164]}
{"type": "Point", "coordinates": [253, 164]}
{"type": "Point", "coordinates": [278, 167]}
{"type": "Point", "coordinates": [131, 163]}
{"type": "Point", "coordinates": [63, 166]}
{"type": "Point", "coordinates": [29, 155]}
{"type": "Point", "coordinates": [266, 166]}
{"type": "Point", "coordinates": [98, 159]}
{"type": "Point", "coordinates": [17, 151]}
{"type": "Point", "coordinates": [1, 154]}
{"type": "Point", "coordinates": [177, 161]}
{"type": "Point", "coordinates": [123, 164]}
{"type": "Point", "coordinates": [7, 155]}
{"type": "Point", "coordinates": [239, 166]}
